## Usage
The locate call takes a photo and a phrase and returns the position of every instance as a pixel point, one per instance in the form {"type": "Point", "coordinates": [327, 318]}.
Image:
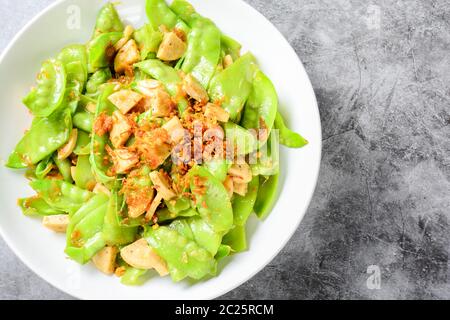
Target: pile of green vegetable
{"type": "Point", "coordinates": [87, 191]}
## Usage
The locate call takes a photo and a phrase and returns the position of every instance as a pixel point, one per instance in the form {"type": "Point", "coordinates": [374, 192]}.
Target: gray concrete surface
{"type": "Point", "coordinates": [381, 72]}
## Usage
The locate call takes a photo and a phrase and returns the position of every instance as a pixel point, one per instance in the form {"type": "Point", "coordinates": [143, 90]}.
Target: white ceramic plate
{"type": "Point", "coordinates": [43, 251]}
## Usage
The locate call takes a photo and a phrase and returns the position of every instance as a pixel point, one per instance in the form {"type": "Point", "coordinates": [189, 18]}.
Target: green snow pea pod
{"type": "Point", "coordinates": [203, 52]}
{"type": "Point", "coordinates": [97, 79]}
{"type": "Point", "coordinates": [64, 168]}
{"type": "Point", "coordinates": [83, 120]}
{"type": "Point", "coordinates": [135, 277]}
{"type": "Point", "coordinates": [45, 136]}
{"type": "Point", "coordinates": [218, 168]}
{"type": "Point", "coordinates": [49, 93]}
{"type": "Point", "coordinates": [268, 164]}
{"type": "Point", "coordinates": [108, 20]}
{"type": "Point", "coordinates": [243, 141]}
{"type": "Point", "coordinates": [213, 205]}
{"type": "Point", "coordinates": [75, 60]}
{"type": "Point", "coordinates": [84, 232]}
{"type": "Point", "coordinates": [83, 175]}
{"type": "Point", "coordinates": [148, 40]}
{"type": "Point", "coordinates": [167, 75]}
{"type": "Point", "coordinates": [231, 87]}
{"type": "Point", "coordinates": [231, 47]}
{"type": "Point", "coordinates": [223, 252]}
{"type": "Point", "coordinates": [44, 167]}
{"type": "Point", "coordinates": [204, 234]}
{"type": "Point", "coordinates": [165, 214]}
{"type": "Point", "coordinates": [184, 10]}
{"type": "Point", "coordinates": [287, 137]}
{"type": "Point", "coordinates": [113, 233]}
{"type": "Point", "coordinates": [178, 205]}
{"type": "Point", "coordinates": [74, 53]}
{"type": "Point", "coordinates": [159, 13]}
{"type": "Point", "coordinates": [200, 231]}
{"type": "Point", "coordinates": [82, 147]}
{"type": "Point", "coordinates": [262, 105]}
{"type": "Point", "coordinates": [36, 206]}
{"type": "Point", "coordinates": [243, 205]}
{"type": "Point", "coordinates": [236, 239]}
{"type": "Point", "coordinates": [184, 257]}
{"type": "Point", "coordinates": [101, 50]}
{"type": "Point", "coordinates": [98, 144]}
{"type": "Point", "coordinates": [76, 80]}
{"type": "Point", "coordinates": [61, 195]}
{"type": "Point", "coordinates": [267, 196]}
{"type": "Point", "coordinates": [161, 72]}
{"type": "Point", "coordinates": [204, 43]}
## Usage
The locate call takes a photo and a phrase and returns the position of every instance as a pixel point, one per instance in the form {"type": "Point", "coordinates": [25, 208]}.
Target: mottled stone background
{"type": "Point", "coordinates": [381, 73]}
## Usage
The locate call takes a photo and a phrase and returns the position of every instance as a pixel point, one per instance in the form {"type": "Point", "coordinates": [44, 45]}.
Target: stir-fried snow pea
{"type": "Point", "coordinates": [262, 105]}
{"type": "Point", "coordinates": [74, 53]}
{"type": "Point", "coordinates": [184, 10]}
{"type": "Point", "coordinates": [178, 205]}
{"type": "Point", "coordinates": [287, 137]}
{"type": "Point", "coordinates": [45, 136]}
{"type": "Point", "coordinates": [243, 205]}
{"type": "Point", "coordinates": [159, 13]}
{"type": "Point", "coordinates": [84, 233]}
{"type": "Point", "coordinates": [64, 168]}
{"type": "Point", "coordinates": [232, 86]}
{"type": "Point", "coordinates": [200, 231]}
{"type": "Point", "coordinates": [76, 80]}
{"type": "Point", "coordinates": [236, 239]}
{"type": "Point", "coordinates": [134, 277]}
{"type": "Point", "coordinates": [74, 87]}
{"type": "Point", "coordinates": [161, 72]}
{"type": "Point", "coordinates": [83, 120]}
{"type": "Point", "coordinates": [268, 163]}
{"type": "Point", "coordinates": [148, 40]}
{"type": "Point", "coordinates": [101, 50]}
{"type": "Point", "coordinates": [98, 144]}
{"type": "Point", "coordinates": [204, 234]}
{"type": "Point", "coordinates": [36, 206]}
{"type": "Point", "coordinates": [61, 195]}
{"type": "Point", "coordinates": [204, 43]}
{"type": "Point", "coordinates": [44, 167]}
{"type": "Point", "coordinates": [49, 93]}
{"type": "Point", "coordinates": [203, 52]}
{"type": "Point", "coordinates": [213, 203]}
{"type": "Point", "coordinates": [165, 214]}
{"type": "Point", "coordinates": [83, 175]}
{"type": "Point", "coordinates": [243, 141]}
{"type": "Point", "coordinates": [75, 61]}
{"type": "Point", "coordinates": [231, 47]}
{"type": "Point", "coordinates": [97, 79]}
{"type": "Point", "coordinates": [223, 252]}
{"type": "Point", "coordinates": [167, 75]}
{"type": "Point", "coordinates": [108, 20]}
{"type": "Point", "coordinates": [218, 168]}
{"type": "Point", "coordinates": [113, 233]}
{"type": "Point", "coordinates": [83, 142]}
{"type": "Point", "coordinates": [184, 257]}
{"type": "Point", "coordinates": [267, 196]}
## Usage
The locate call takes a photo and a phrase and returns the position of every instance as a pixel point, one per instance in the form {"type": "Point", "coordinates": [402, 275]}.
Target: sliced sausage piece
{"type": "Point", "coordinates": [171, 48]}
{"type": "Point", "coordinates": [141, 256]}
{"type": "Point", "coordinates": [57, 223]}
{"type": "Point", "coordinates": [105, 260]}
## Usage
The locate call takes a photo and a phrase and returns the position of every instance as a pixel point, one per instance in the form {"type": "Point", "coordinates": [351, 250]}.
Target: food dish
{"type": "Point", "coordinates": [55, 69]}
{"type": "Point", "coordinates": [141, 149]}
